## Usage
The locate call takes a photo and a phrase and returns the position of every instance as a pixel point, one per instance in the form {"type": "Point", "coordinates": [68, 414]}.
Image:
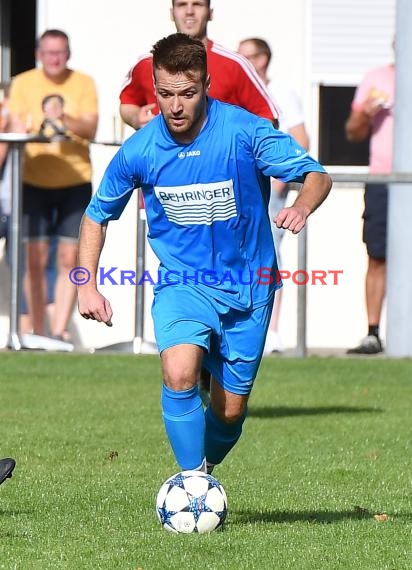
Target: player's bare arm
{"type": "Point", "coordinates": [92, 304]}
{"type": "Point", "coordinates": [135, 116]}
{"type": "Point", "coordinates": [313, 192]}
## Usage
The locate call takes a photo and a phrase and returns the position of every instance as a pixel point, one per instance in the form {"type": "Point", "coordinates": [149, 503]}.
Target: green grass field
{"type": "Point", "coordinates": [321, 478]}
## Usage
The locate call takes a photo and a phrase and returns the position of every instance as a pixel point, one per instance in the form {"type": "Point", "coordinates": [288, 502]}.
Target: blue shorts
{"type": "Point", "coordinates": [233, 340]}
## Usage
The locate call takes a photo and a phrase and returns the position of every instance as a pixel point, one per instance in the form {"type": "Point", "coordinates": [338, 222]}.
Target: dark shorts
{"type": "Point", "coordinates": [57, 212]}
{"type": "Point", "coordinates": [375, 220]}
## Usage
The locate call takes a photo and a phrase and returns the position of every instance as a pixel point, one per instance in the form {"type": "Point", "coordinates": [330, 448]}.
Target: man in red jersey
{"type": "Point", "coordinates": [233, 78]}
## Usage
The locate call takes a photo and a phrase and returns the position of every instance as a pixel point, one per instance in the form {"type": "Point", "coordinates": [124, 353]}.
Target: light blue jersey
{"type": "Point", "coordinates": [207, 202]}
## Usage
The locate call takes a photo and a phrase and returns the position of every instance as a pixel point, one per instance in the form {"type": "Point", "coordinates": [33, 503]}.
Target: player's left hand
{"type": "Point", "coordinates": [292, 218]}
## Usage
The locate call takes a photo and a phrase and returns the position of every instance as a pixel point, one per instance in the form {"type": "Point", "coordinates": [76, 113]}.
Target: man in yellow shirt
{"type": "Point", "coordinates": [60, 103]}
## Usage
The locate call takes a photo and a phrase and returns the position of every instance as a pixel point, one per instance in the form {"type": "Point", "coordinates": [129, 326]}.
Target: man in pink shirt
{"type": "Point", "coordinates": [372, 114]}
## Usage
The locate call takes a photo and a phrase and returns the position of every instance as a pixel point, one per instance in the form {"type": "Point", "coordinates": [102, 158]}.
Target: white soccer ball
{"type": "Point", "coordinates": [191, 501]}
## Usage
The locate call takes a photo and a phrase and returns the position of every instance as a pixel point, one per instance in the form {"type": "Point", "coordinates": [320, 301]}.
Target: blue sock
{"type": "Point", "coordinates": [184, 421]}
{"type": "Point", "coordinates": [220, 436]}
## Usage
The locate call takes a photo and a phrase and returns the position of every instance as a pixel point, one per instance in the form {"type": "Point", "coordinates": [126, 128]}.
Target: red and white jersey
{"type": "Point", "coordinates": [233, 80]}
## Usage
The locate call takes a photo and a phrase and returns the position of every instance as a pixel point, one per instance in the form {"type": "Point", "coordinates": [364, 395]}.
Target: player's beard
{"type": "Point", "coordinates": [184, 127]}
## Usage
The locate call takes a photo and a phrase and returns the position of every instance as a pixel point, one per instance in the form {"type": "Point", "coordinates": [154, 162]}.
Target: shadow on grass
{"type": "Point", "coordinates": [14, 512]}
{"type": "Point", "coordinates": [286, 411]}
{"type": "Point", "coordinates": [313, 517]}
{"type": "Point", "coordinates": [8, 534]}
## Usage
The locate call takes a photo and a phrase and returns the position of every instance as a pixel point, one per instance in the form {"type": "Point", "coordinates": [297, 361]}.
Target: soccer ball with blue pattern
{"type": "Point", "coordinates": [191, 501]}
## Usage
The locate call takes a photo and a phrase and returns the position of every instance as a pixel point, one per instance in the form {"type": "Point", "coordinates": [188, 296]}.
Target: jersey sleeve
{"type": "Point", "coordinates": [137, 88]}
{"type": "Point", "coordinates": [277, 154]}
{"type": "Point", "coordinates": [252, 93]}
{"type": "Point", "coordinates": [114, 191]}
{"type": "Point", "coordinates": [362, 92]}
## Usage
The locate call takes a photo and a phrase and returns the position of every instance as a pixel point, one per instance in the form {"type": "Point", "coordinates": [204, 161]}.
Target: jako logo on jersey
{"type": "Point", "coordinates": [189, 153]}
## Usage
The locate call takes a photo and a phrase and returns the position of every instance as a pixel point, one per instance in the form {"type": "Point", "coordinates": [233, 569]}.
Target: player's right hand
{"type": "Point", "coordinates": [93, 305]}
{"type": "Point", "coordinates": [145, 114]}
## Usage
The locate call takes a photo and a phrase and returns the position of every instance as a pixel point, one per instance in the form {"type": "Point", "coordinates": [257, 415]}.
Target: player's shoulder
{"type": "Point", "coordinates": [143, 61]}
{"type": "Point", "coordinates": [232, 114]}
{"type": "Point", "coordinates": [139, 72]}
{"type": "Point", "coordinates": [225, 56]}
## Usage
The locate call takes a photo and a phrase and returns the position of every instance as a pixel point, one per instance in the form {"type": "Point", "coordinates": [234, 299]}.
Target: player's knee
{"type": "Point", "coordinates": [178, 380]}
{"type": "Point", "coordinates": [229, 415]}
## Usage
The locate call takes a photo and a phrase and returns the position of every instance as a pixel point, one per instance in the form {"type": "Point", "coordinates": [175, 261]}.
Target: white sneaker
{"type": "Point", "coordinates": [273, 343]}
{"type": "Point", "coordinates": [369, 345]}
{"type": "Point", "coordinates": [39, 342]}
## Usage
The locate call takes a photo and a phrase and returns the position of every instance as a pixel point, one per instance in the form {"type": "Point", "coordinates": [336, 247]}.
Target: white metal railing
{"type": "Point", "coordinates": [136, 344]}
{"type": "Point", "coordinates": [347, 179]}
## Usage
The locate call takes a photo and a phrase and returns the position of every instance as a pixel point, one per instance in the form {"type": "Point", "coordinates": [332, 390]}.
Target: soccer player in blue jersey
{"type": "Point", "coordinates": [204, 168]}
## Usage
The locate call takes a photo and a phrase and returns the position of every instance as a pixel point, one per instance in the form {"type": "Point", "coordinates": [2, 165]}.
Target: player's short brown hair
{"type": "Point", "coordinates": [180, 53]}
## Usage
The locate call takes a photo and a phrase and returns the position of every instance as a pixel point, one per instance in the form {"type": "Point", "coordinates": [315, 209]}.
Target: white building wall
{"type": "Point", "coordinates": [106, 37]}
{"type": "Point", "coordinates": [350, 37]}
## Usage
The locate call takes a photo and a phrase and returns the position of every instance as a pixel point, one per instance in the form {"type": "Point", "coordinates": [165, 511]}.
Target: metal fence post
{"type": "Point", "coordinates": [301, 350]}
{"type": "Point", "coordinates": [139, 299]}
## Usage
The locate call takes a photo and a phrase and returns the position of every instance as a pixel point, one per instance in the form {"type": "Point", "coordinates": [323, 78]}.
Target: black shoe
{"type": "Point", "coordinates": [371, 344]}
{"type": "Point", "coordinates": [6, 468]}
{"type": "Point", "coordinates": [209, 467]}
